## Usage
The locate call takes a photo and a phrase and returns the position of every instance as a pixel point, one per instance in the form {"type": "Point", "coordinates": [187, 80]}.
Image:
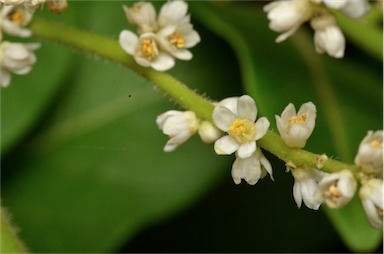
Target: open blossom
{"type": "Point", "coordinates": [242, 130]}
{"type": "Point", "coordinates": [15, 58]}
{"type": "Point", "coordinates": [176, 34]}
{"type": "Point", "coordinates": [176, 40]}
{"type": "Point", "coordinates": [371, 195]}
{"type": "Point", "coordinates": [337, 189]}
{"type": "Point", "coordinates": [370, 154]}
{"type": "Point", "coordinates": [178, 125]}
{"type": "Point", "coordinates": [288, 16]}
{"type": "Point", "coordinates": [251, 169]}
{"type": "Point", "coordinates": [172, 33]}
{"type": "Point", "coordinates": [14, 18]}
{"type": "Point", "coordinates": [145, 50]}
{"type": "Point", "coordinates": [294, 128]}
{"type": "Point", "coordinates": [328, 36]}
{"type": "Point", "coordinates": [305, 187]}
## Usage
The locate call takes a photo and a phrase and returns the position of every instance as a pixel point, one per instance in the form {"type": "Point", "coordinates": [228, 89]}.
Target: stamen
{"type": "Point", "coordinates": [333, 193]}
{"type": "Point", "coordinates": [380, 212]}
{"type": "Point", "coordinates": [242, 130]}
{"type": "Point", "coordinates": [375, 143]}
{"type": "Point", "coordinates": [177, 40]}
{"type": "Point", "coordinates": [17, 16]}
{"type": "Point", "coordinates": [298, 119]}
{"type": "Point", "coordinates": [147, 49]}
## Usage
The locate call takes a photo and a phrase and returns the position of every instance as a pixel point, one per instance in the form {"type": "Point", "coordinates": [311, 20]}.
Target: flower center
{"type": "Point", "coordinates": [375, 143]}
{"type": "Point", "coordinates": [147, 49]}
{"type": "Point", "coordinates": [298, 119]}
{"type": "Point", "coordinates": [333, 193]}
{"type": "Point", "coordinates": [177, 40]}
{"type": "Point", "coordinates": [17, 16]}
{"type": "Point", "coordinates": [242, 130]}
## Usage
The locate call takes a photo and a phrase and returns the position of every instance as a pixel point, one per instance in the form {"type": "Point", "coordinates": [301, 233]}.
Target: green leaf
{"type": "Point", "coordinates": [276, 74]}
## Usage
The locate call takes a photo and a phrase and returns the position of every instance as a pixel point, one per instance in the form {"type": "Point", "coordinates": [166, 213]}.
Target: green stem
{"type": "Point", "coordinates": [110, 49]}
{"type": "Point", "coordinates": [8, 238]}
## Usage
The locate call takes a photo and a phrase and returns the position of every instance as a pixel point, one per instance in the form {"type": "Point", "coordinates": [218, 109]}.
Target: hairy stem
{"type": "Point", "coordinates": [108, 48]}
{"type": "Point", "coordinates": [8, 238]}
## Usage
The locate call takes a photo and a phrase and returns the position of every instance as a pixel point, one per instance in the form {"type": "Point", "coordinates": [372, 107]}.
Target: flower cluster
{"type": "Point", "coordinates": [15, 15]}
{"type": "Point", "coordinates": [235, 116]}
{"type": "Point", "coordinates": [286, 16]}
{"type": "Point", "coordinates": [16, 58]}
{"type": "Point", "coordinates": [235, 130]}
{"type": "Point", "coordinates": [160, 39]}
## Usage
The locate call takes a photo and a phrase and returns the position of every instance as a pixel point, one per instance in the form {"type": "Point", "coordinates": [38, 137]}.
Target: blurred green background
{"type": "Point", "coordinates": [82, 163]}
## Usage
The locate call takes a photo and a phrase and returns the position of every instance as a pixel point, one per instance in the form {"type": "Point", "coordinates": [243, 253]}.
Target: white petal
{"type": "Point", "coordinates": [172, 11]}
{"type": "Point", "coordinates": [261, 127]}
{"type": "Point", "coordinates": [226, 145]}
{"type": "Point", "coordinates": [223, 118]}
{"type": "Point", "coordinates": [230, 103]}
{"type": "Point", "coordinates": [309, 109]}
{"type": "Point", "coordinates": [297, 135]}
{"type": "Point", "coordinates": [174, 142]}
{"type": "Point", "coordinates": [246, 108]}
{"type": "Point", "coordinates": [246, 150]}
{"type": "Point", "coordinates": [355, 9]}
{"type": "Point", "coordinates": [128, 41]}
{"type": "Point", "coordinates": [5, 78]}
{"type": "Point", "coordinates": [309, 191]}
{"type": "Point", "coordinates": [191, 39]}
{"type": "Point", "coordinates": [182, 54]}
{"type": "Point", "coordinates": [297, 193]}
{"type": "Point", "coordinates": [163, 62]}
{"type": "Point", "coordinates": [336, 4]}
{"type": "Point", "coordinates": [288, 112]}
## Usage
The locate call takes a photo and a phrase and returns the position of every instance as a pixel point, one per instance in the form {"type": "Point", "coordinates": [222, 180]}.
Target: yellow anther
{"type": "Point", "coordinates": [17, 16]}
{"type": "Point", "coordinates": [375, 143]}
{"type": "Point", "coordinates": [333, 193]}
{"type": "Point", "coordinates": [237, 127]}
{"type": "Point", "coordinates": [242, 130]}
{"type": "Point", "coordinates": [147, 49]}
{"type": "Point", "coordinates": [298, 119]}
{"type": "Point", "coordinates": [177, 40]}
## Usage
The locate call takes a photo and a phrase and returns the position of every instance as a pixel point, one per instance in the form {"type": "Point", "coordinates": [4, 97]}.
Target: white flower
{"type": "Point", "coordinates": [370, 155]}
{"type": "Point", "coordinates": [371, 195]}
{"type": "Point", "coordinates": [176, 34]}
{"type": "Point", "coordinates": [305, 186]}
{"type": "Point", "coordinates": [294, 128]}
{"type": "Point", "coordinates": [15, 58]}
{"type": "Point", "coordinates": [14, 19]}
{"type": "Point", "coordinates": [352, 8]}
{"type": "Point", "coordinates": [242, 130]}
{"type": "Point", "coordinates": [143, 15]}
{"type": "Point", "coordinates": [145, 50]}
{"type": "Point", "coordinates": [288, 16]}
{"type": "Point", "coordinates": [179, 126]}
{"type": "Point", "coordinates": [251, 169]}
{"type": "Point", "coordinates": [176, 40]}
{"type": "Point", "coordinates": [337, 189]}
{"type": "Point", "coordinates": [328, 36]}
{"type": "Point", "coordinates": [208, 132]}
